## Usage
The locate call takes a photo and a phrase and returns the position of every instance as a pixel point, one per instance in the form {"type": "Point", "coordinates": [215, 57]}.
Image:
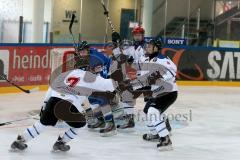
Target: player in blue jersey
{"type": "Point", "coordinates": [96, 117]}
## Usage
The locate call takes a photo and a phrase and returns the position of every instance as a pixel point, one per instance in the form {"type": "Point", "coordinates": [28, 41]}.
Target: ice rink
{"type": "Point", "coordinates": [212, 131]}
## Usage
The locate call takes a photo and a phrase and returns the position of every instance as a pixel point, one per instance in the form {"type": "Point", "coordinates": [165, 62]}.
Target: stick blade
{"type": "Point", "coordinates": [6, 123]}
{"type": "Point", "coordinates": [36, 89]}
{"type": "Point", "coordinates": [71, 22]}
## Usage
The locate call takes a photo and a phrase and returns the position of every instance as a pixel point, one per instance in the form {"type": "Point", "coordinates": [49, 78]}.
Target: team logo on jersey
{"type": "Point", "coordinates": [4, 62]}
{"type": "Point", "coordinates": [72, 81]}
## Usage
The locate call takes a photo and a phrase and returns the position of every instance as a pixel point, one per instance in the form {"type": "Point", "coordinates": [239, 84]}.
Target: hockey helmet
{"type": "Point", "coordinates": [156, 43]}
{"type": "Point", "coordinates": [83, 45]}
{"type": "Point", "coordinates": [138, 30]}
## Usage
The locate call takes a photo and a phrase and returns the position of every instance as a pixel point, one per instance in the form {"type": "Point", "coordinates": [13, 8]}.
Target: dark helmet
{"type": "Point", "coordinates": [156, 43]}
{"type": "Point", "coordinates": [81, 61]}
{"type": "Point", "coordinates": [83, 45]}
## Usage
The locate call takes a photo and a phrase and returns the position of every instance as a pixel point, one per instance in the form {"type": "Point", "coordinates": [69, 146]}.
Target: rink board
{"type": "Point", "coordinates": [4, 90]}
{"type": "Point", "coordinates": [29, 65]}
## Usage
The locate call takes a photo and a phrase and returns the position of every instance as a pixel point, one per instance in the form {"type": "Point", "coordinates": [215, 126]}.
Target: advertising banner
{"type": "Point", "coordinates": [205, 64]}
{"type": "Point", "coordinates": [31, 65]}
{"type": "Point", "coordinates": [25, 65]}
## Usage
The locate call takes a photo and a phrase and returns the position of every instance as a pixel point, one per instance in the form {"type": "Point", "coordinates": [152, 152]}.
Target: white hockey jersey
{"type": "Point", "coordinates": [136, 54]}
{"type": "Point", "coordinates": [131, 51]}
{"type": "Point", "coordinates": [75, 86]}
{"type": "Point", "coordinates": [167, 70]}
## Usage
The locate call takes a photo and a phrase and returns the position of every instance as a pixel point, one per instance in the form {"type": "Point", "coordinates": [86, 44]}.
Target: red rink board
{"type": "Point", "coordinates": [26, 65]}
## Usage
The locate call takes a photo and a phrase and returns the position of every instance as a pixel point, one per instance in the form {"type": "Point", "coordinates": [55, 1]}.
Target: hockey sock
{"type": "Point", "coordinates": [33, 131]}
{"type": "Point", "coordinates": [128, 109]}
{"type": "Point", "coordinates": [70, 134]}
{"type": "Point", "coordinates": [157, 122]}
{"type": "Point", "coordinates": [107, 113]}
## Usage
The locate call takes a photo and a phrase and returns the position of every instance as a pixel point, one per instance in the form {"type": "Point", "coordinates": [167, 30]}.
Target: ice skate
{"type": "Point", "coordinates": [129, 124]}
{"type": "Point", "coordinates": [109, 130]}
{"type": "Point", "coordinates": [60, 146]}
{"type": "Point", "coordinates": [19, 144]}
{"type": "Point", "coordinates": [165, 144]}
{"type": "Point", "coordinates": [150, 137]}
{"type": "Point", "coordinates": [96, 125]}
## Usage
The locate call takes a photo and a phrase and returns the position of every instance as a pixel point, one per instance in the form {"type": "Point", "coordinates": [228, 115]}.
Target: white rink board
{"type": "Point", "coordinates": [213, 133]}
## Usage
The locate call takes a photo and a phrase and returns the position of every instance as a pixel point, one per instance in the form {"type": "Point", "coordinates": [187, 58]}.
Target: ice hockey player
{"type": "Point", "coordinates": [164, 93]}
{"type": "Point", "coordinates": [95, 117]}
{"type": "Point", "coordinates": [133, 53]}
{"type": "Point", "coordinates": [66, 93]}
{"type": "Point", "coordinates": [81, 61]}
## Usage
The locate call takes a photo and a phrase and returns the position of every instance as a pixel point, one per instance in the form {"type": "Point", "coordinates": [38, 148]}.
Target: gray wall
{"type": "Point", "coordinates": [93, 20]}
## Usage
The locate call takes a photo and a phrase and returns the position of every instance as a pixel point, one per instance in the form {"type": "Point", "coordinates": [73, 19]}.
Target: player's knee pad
{"type": "Point", "coordinates": [48, 117]}
{"type": "Point", "coordinates": [79, 124]}
{"type": "Point", "coordinates": [154, 116]}
{"type": "Point", "coordinates": [67, 112]}
{"type": "Point", "coordinates": [149, 104]}
{"type": "Point", "coordinates": [81, 121]}
{"type": "Point", "coordinates": [153, 111]}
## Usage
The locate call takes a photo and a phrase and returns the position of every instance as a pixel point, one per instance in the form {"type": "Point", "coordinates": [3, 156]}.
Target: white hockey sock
{"type": "Point", "coordinates": [70, 134]}
{"type": "Point", "coordinates": [128, 109]}
{"type": "Point", "coordinates": [157, 122]}
{"type": "Point", "coordinates": [152, 129]}
{"type": "Point", "coordinates": [33, 131]}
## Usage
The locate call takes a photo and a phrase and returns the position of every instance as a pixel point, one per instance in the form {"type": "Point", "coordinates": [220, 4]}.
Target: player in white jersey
{"type": "Point", "coordinates": [136, 50]}
{"type": "Point", "coordinates": [133, 55]}
{"type": "Point", "coordinates": [164, 92]}
{"type": "Point", "coordinates": [64, 102]}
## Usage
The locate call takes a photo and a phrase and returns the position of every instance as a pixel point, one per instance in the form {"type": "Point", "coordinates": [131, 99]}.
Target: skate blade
{"type": "Point", "coordinates": [94, 130]}
{"type": "Point", "coordinates": [58, 151]}
{"type": "Point", "coordinates": [126, 130]}
{"type": "Point", "coordinates": [154, 140]}
{"type": "Point", "coordinates": [166, 148]}
{"type": "Point", "coordinates": [108, 134]}
{"type": "Point", "coordinates": [16, 150]}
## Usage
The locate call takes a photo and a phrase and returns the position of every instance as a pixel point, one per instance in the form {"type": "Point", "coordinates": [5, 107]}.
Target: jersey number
{"type": "Point", "coordinates": [73, 81]}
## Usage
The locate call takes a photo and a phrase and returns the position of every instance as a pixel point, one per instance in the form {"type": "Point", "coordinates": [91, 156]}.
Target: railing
{"type": "Point", "coordinates": [186, 21]}
{"type": "Point", "coordinates": [225, 16]}
{"type": "Point", "coordinates": [190, 25]}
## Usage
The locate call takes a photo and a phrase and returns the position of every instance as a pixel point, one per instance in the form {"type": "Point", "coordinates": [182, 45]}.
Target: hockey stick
{"type": "Point", "coordinates": [106, 12]}
{"type": "Point", "coordinates": [70, 29]}
{"type": "Point", "coordinates": [22, 89]}
{"type": "Point", "coordinates": [10, 122]}
{"type": "Point", "coordinates": [75, 45]}
{"type": "Point", "coordinates": [18, 120]}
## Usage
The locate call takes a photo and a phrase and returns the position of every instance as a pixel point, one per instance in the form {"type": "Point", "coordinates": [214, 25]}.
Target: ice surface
{"type": "Point", "coordinates": [213, 133]}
